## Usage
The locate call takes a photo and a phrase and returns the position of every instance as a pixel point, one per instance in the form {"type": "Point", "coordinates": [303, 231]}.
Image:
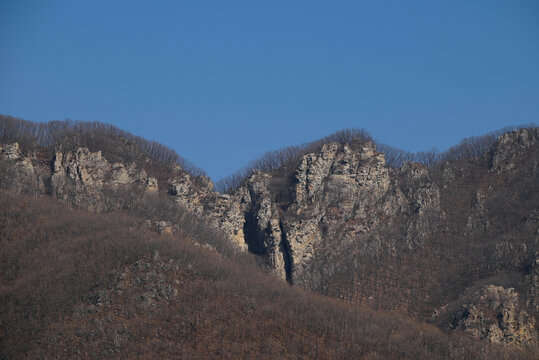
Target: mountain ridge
{"type": "Point", "coordinates": [77, 284]}
{"type": "Point", "coordinates": [337, 219]}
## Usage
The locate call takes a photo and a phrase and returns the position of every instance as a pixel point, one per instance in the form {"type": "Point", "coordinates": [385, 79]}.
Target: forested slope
{"type": "Point", "coordinates": [82, 285]}
{"type": "Point", "coordinates": [447, 238]}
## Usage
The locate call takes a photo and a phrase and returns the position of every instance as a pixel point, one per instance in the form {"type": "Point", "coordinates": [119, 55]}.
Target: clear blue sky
{"type": "Point", "coordinates": [221, 82]}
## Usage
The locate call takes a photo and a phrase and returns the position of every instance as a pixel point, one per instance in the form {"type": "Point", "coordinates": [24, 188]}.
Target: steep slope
{"type": "Point", "coordinates": [81, 285]}
{"type": "Point", "coordinates": [98, 167]}
{"type": "Point", "coordinates": [412, 238]}
{"type": "Point", "coordinates": [454, 243]}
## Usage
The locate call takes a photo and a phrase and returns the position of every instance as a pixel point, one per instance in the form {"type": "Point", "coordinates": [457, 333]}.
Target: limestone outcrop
{"type": "Point", "coordinates": [18, 170]}
{"type": "Point", "coordinates": [494, 312]}
{"type": "Point", "coordinates": [88, 180]}
{"type": "Point", "coordinates": [344, 223]}
{"type": "Point", "coordinates": [221, 210]}
{"type": "Point", "coordinates": [81, 177]}
{"type": "Point", "coordinates": [353, 227]}
{"type": "Point", "coordinates": [338, 193]}
{"type": "Point", "coordinates": [511, 146]}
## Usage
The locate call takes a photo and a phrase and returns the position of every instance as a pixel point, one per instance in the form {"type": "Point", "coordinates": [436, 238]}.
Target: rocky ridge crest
{"type": "Point", "coordinates": [340, 197]}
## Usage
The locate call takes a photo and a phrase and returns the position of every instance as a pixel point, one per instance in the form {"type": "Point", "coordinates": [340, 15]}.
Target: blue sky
{"type": "Point", "coordinates": [222, 82]}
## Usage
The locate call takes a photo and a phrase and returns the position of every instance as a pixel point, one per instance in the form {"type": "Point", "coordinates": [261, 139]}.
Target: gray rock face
{"type": "Point", "coordinates": [342, 201]}
{"type": "Point", "coordinates": [81, 177]}
{"type": "Point", "coordinates": [20, 173]}
{"type": "Point", "coordinates": [338, 193]}
{"type": "Point", "coordinates": [87, 179]}
{"type": "Point", "coordinates": [262, 226]}
{"type": "Point", "coordinates": [220, 210]}
{"type": "Point", "coordinates": [337, 186]}
{"type": "Point", "coordinates": [495, 313]}
{"type": "Point", "coordinates": [341, 192]}
{"type": "Point", "coordinates": [11, 151]}
{"type": "Point", "coordinates": [151, 185]}
{"type": "Point", "coordinates": [510, 147]}
{"type": "Point", "coordinates": [186, 194]}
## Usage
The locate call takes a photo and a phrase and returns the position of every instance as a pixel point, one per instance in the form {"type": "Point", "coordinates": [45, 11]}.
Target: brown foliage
{"type": "Point", "coordinates": [468, 148]}
{"type": "Point", "coordinates": [486, 243]}
{"type": "Point", "coordinates": [115, 144]}
{"type": "Point", "coordinates": [283, 162]}
{"type": "Point", "coordinates": [53, 259]}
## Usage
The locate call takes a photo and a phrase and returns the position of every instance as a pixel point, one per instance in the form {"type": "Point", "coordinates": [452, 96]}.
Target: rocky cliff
{"type": "Point", "coordinates": [343, 193]}
{"type": "Point", "coordinates": [411, 238]}
{"type": "Point", "coordinates": [344, 223]}
{"type": "Point", "coordinates": [495, 313]}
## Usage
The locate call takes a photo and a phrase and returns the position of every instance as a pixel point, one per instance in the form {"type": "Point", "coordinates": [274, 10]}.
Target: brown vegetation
{"type": "Point", "coordinates": [60, 269]}
{"type": "Point", "coordinates": [115, 144]}
{"type": "Point", "coordinates": [283, 162]}
{"type": "Point", "coordinates": [59, 297]}
{"type": "Point", "coordinates": [468, 248]}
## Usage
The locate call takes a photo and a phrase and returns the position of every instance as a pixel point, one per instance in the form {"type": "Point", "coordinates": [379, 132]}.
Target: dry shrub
{"type": "Point", "coordinates": [52, 257]}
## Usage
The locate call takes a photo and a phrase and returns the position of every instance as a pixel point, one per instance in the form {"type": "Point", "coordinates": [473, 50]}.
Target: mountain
{"type": "Point", "coordinates": [80, 285]}
{"type": "Point", "coordinates": [455, 243]}
{"type": "Point", "coordinates": [447, 243]}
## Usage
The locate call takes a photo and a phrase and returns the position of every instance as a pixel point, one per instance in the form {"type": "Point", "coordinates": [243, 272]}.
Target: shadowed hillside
{"type": "Point", "coordinates": [449, 238]}
{"type": "Point", "coordinates": [80, 285]}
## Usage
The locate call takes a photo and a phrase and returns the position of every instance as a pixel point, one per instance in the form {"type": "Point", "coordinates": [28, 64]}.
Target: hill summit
{"type": "Point", "coordinates": [450, 239]}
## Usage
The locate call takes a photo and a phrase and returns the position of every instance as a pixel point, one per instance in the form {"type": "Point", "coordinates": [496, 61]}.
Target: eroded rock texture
{"type": "Point", "coordinates": [338, 193]}
{"type": "Point", "coordinates": [87, 180]}
{"type": "Point", "coordinates": [494, 312]}
{"type": "Point", "coordinates": [412, 238]}
{"type": "Point", "coordinates": [346, 224]}
{"type": "Point", "coordinates": [82, 177]}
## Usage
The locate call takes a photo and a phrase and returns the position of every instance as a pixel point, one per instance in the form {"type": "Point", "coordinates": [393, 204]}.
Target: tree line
{"type": "Point", "coordinates": [68, 135]}
{"type": "Point", "coordinates": [120, 145]}
{"type": "Point", "coordinates": [468, 148]}
{"type": "Point", "coordinates": [55, 261]}
{"type": "Point", "coordinates": [284, 161]}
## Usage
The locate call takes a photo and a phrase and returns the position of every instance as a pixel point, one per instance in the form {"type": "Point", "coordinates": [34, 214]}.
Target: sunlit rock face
{"type": "Point", "coordinates": [495, 313]}
{"type": "Point", "coordinates": [344, 223]}
{"type": "Point", "coordinates": [338, 193]}
{"type": "Point", "coordinates": [18, 170]}
{"type": "Point", "coordinates": [510, 147]}
{"type": "Point", "coordinates": [88, 180]}
{"type": "Point", "coordinates": [82, 177]}
{"type": "Point", "coordinates": [411, 238]}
